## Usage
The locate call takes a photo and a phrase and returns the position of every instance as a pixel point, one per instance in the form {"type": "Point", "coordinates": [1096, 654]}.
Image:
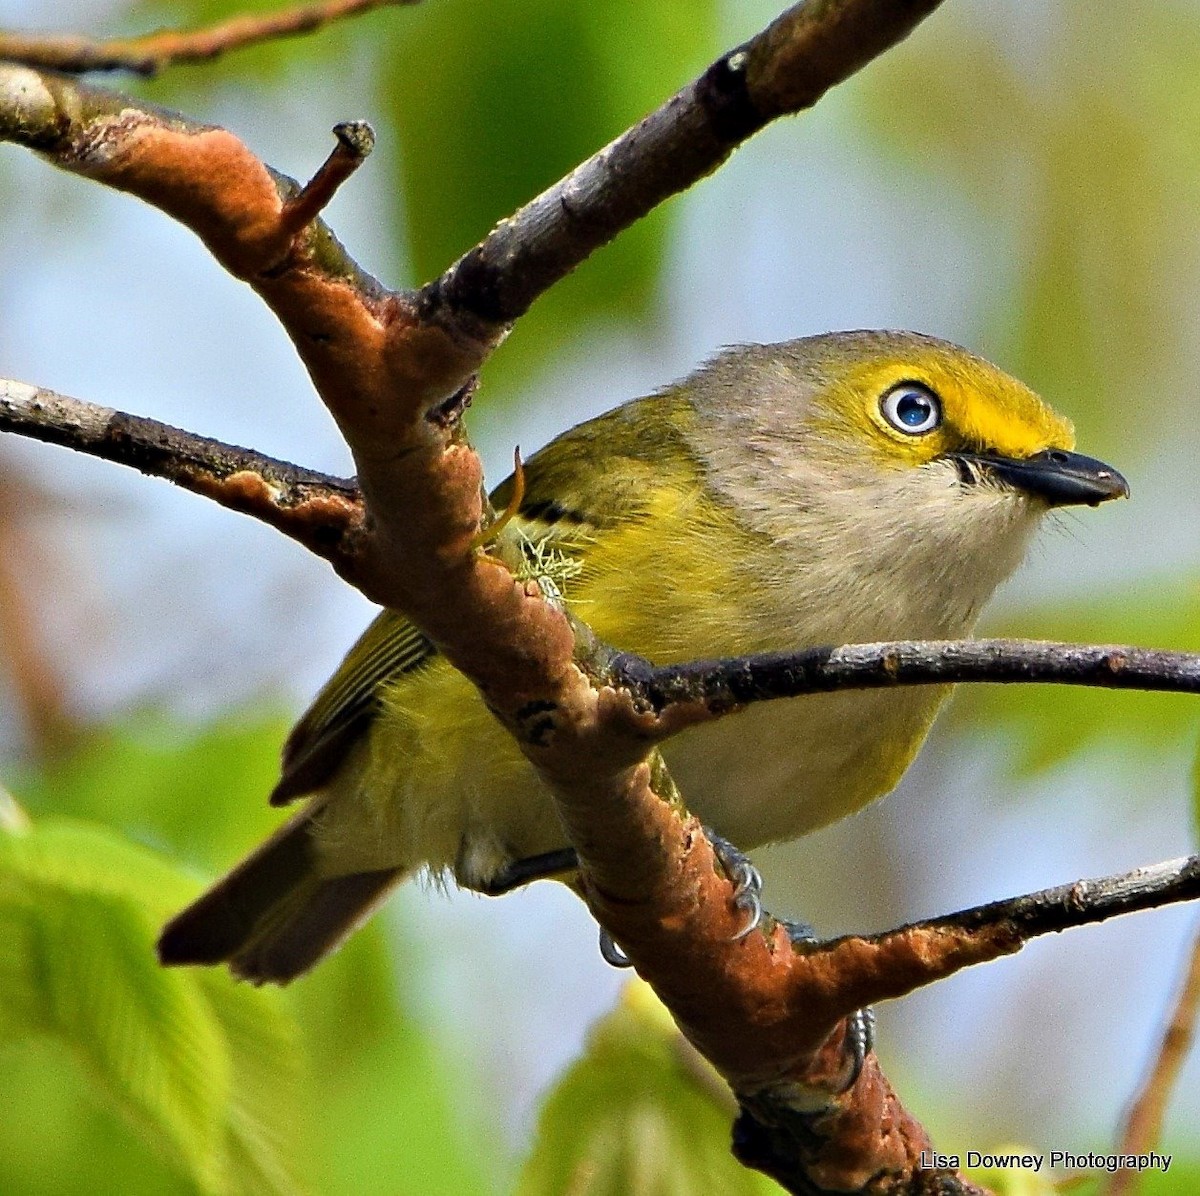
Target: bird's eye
{"type": "Point", "coordinates": [911, 409]}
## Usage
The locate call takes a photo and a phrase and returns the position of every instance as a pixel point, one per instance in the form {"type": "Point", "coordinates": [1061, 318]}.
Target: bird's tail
{"type": "Point", "coordinates": [274, 915]}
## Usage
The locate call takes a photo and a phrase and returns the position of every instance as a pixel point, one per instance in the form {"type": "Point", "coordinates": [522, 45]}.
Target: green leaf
{"type": "Point", "coordinates": [638, 1115]}
{"type": "Point", "coordinates": [265, 1089]}
{"type": "Point", "coordinates": [395, 1114]}
{"type": "Point", "coordinates": [188, 1060]}
{"type": "Point", "coordinates": [382, 1108]}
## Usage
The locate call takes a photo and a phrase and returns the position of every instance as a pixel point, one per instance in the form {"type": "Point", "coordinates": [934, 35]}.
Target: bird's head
{"type": "Point", "coordinates": [889, 462]}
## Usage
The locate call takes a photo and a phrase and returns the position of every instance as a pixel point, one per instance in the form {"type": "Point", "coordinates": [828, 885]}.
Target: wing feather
{"type": "Point", "coordinates": [390, 647]}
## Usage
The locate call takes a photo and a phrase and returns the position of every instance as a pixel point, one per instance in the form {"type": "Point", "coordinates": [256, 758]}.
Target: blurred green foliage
{"type": "Point", "coordinates": [193, 1062]}
{"type": "Point", "coordinates": [1080, 159]}
{"type": "Point", "coordinates": [494, 100]}
{"type": "Point", "coordinates": [1014, 1182]}
{"type": "Point", "coordinates": [1077, 138]}
{"type": "Point", "coordinates": [182, 1080]}
{"type": "Point", "coordinates": [1181, 1179]}
{"type": "Point", "coordinates": [1126, 727]}
{"type": "Point", "coordinates": [198, 797]}
{"type": "Point", "coordinates": [639, 1114]}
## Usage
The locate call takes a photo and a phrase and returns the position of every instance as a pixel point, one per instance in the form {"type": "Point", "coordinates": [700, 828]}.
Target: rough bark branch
{"type": "Point", "coordinates": [321, 512]}
{"type": "Point", "coordinates": [785, 69]}
{"type": "Point", "coordinates": [786, 1141]}
{"type": "Point", "coordinates": [154, 52]}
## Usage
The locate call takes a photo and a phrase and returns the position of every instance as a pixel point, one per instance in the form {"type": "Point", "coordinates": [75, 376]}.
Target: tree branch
{"type": "Point", "coordinates": [154, 52]}
{"type": "Point", "coordinates": [776, 1134]}
{"type": "Point", "coordinates": [322, 513]}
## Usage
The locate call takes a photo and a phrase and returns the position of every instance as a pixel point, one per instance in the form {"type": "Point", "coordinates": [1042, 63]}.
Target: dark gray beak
{"type": "Point", "coordinates": [1057, 477]}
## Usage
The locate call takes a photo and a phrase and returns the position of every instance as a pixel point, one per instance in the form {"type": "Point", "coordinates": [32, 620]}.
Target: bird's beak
{"type": "Point", "coordinates": [1058, 478]}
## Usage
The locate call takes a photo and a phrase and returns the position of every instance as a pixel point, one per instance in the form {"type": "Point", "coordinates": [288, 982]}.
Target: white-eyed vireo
{"type": "Point", "coordinates": [853, 487]}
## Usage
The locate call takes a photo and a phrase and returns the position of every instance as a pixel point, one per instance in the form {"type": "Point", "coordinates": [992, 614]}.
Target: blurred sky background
{"type": "Point", "coordinates": [1018, 178]}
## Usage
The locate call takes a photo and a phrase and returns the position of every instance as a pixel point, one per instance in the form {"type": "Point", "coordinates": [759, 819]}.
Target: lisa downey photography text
{"type": "Point", "coordinates": [1062, 1159]}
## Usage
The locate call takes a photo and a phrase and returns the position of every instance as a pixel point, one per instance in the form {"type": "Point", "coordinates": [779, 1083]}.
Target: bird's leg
{"type": "Point", "coordinates": [747, 896]}
{"type": "Point", "coordinates": [549, 865]}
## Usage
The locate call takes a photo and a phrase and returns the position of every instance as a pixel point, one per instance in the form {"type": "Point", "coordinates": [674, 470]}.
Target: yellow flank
{"type": "Point", "coordinates": [679, 552]}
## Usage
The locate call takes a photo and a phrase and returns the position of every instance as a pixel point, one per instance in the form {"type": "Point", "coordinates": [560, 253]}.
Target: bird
{"type": "Point", "coordinates": [849, 487]}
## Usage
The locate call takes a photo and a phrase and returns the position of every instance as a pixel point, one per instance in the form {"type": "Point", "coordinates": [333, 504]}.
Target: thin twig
{"type": "Point", "coordinates": [771, 1128]}
{"type": "Point", "coordinates": [864, 969]}
{"type": "Point", "coordinates": [1080, 903]}
{"type": "Point", "coordinates": [153, 52]}
{"type": "Point", "coordinates": [35, 679]}
{"type": "Point", "coordinates": [1143, 1125]}
{"type": "Point", "coordinates": [355, 141]}
{"type": "Point", "coordinates": [682, 695]}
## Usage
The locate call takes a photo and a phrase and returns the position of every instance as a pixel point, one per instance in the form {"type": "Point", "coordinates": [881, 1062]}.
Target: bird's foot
{"type": "Point", "coordinates": [746, 879]}
{"type": "Point", "coordinates": [747, 896]}
{"type": "Point", "coordinates": [860, 1028]}
{"type": "Point", "coordinates": [860, 1041]}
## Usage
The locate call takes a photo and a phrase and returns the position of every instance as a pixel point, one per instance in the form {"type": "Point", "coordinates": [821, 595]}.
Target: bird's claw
{"type": "Point", "coordinates": [801, 933]}
{"type": "Point", "coordinates": [746, 879]}
{"type": "Point", "coordinates": [747, 884]}
{"type": "Point", "coordinates": [611, 953]}
{"type": "Point", "coordinates": [860, 1041]}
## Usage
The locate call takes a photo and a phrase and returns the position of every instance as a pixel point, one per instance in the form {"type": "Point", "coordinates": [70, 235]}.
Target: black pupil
{"type": "Point", "coordinates": [912, 409]}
